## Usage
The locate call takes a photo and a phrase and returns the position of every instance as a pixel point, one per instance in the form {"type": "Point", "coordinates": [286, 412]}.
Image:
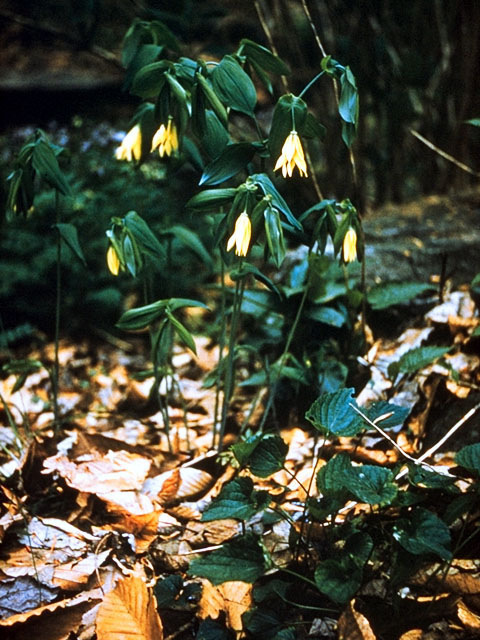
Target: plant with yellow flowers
{"type": "Point", "coordinates": [186, 116]}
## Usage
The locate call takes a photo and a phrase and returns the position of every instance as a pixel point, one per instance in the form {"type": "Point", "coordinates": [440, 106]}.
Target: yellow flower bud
{"type": "Point", "coordinates": [113, 261]}
{"type": "Point", "coordinates": [350, 245]}
{"type": "Point", "coordinates": [241, 235]}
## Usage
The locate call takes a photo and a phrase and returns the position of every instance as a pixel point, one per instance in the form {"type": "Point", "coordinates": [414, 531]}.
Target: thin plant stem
{"type": "Point", "coordinates": [58, 286]}
{"type": "Point", "coordinates": [230, 369]}
{"type": "Point", "coordinates": [221, 347]}
{"type": "Point", "coordinates": [284, 355]}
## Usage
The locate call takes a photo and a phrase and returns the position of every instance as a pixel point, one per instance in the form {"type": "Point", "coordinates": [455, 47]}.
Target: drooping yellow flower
{"type": "Point", "coordinates": [350, 245]}
{"type": "Point", "coordinates": [166, 139]}
{"type": "Point", "coordinates": [292, 156]}
{"type": "Point", "coordinates": [113, 260]}
{"type": "Point", "coordinates": [131, 145]}
{"type": "Point", "coordinates": [241, 235]}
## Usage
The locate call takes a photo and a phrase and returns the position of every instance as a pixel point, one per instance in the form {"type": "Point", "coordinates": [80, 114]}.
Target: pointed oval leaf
{"type": "Point", "coordinates": [268, 456]}
{"type": "Point", "coordinates": [234, 87]}
{"type": "Point", "coordinates": [212, 198]}
{"type": "Point", "coordinates": [69, 235]}
{"type": "Point", "coordinates": [240, 559]}
{"type": "Point", "coordinates": [423, 533]}
{"type": "Point", "coordinates": [141, 317]}
{"type": "Point", "coordinates": [371, 484]}
{"type": "Point", "coordinates": [231, 160]}
{"type": "Point", "coordinates": [237, 500]}
{"type": "Point", "coordinates": [332, 414]}
{"type": "Point", "coordinates": [469, 457]}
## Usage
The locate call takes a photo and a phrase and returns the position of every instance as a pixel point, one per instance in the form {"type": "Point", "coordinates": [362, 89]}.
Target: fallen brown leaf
{"type": "Point", "coordinates": [129, 610]}
{"type": "Point", "coordinates": [353, 625]}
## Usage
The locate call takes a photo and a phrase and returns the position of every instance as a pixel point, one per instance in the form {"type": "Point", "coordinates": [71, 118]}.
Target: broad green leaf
{"type": "Point", "coordinates": [233, 86]}
{"type": "Point", "coordinates": [232, 159]}
{"type": "Point", "coordinates": [182, 332]}
{"type": "Point", "coordinates": [423, 533]}
{"type": "Point", "coordinates": [215, 137]}
{"type": "Point", "coordinates": [141, 317]}
{"type": "Point", "coordinates": [237, 499]}
{"type": "Point", "coordinates": [391, 414]}
{"type": "Point", "coordinates": [332, 414]}
{"type": "Point", "coordinates": [239, 559]}
{"type": "Point", "coordinates": [69, 235]}
{"type": "Point", "coordinates": [416, 359]}
{"type": "Point", "coordinates": [327, 315]}
{"type": "Point", "coordinates": [242, 450]}
{"type": "Point", "coordinates": [211, 199]}
{"type": "Point", "coordinates": [348, 105]}
{"type": "Point", "coordinates": [474, 121]}
{"type": "Point", "coordinates": [338, 579]}
{"type": "Point", "coordinates": [211, 99]}
{"type": "Point", "coordinates": [210, 629]}
{"type": "Point", "coordinates": [191, 240]}
{"type": "Point", "coordinates": [246, 268]}
{"type": "Point", "coordinates": [274, 235]}
{"type": "Point", "coordinates": [371, 484]}
{"type": "Point", "coordinates": [268, 456]}
{"type": "Point", "coordinates": [145, 55]}
{"type": "Point", "coordinates": [143, 234]}
{"type": "Point", "coordinates": [167, 590]}
{"type": "Point", "coordinates": [469, 457]}
{"type": "Point", "coordinates": [269, 189]}
{"type": "Point", "coordinates": [387, 295]}
{"type": "Point", "coordinates": [331, 477]}
{"type": "Point", "coordinates": [45, 163]}
{"type": "Point", "coordinates": [421, 476]}
{"type": "Point", "coordinates": [263, 57]}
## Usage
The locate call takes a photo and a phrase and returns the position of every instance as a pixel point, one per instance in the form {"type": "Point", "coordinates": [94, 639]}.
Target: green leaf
{"type": "Point", "coordinates": [387, 295]}
{"type": "Point", "coordinates": [180, 303]}
{"type": "Point", "coordinates": [234, 87]}
{"type": "Point", "coordinates": [420, 476]}
{"type": "Point", "coordinates": [416, 359]}
{"type": "Point", "coordinates": [144, 235]}
{"type": "Point", "coordinates": [182, 332]}
{"type": "Point", "coordinates": [474, 121]}
{"type": "Point", "coordinates": [338, 579]}
{"type": "Point", "coordinates": [239, 559]}
{"type": "Point", "coordinates": [268, 456]}
{"type": "Point", "coordinates": [191, 240]}
{"type": "Point", "coordinates": [246, 268]}
{"type": "Point", "coordinates": [274, 235]}
{"type": "Point", "coordinates": [211, 98]}
{"type": "Point", "coordinates": [278, 202]}
{"type": "Point", "coordinates": [45, 163]}
{"type": "Point", "coordinates": [263, 57]}
{"type": "Point", "coordinates": [141, 317]}
{"type": "Point", "coordinates": [469, 457]}
{"type": "Point", "coordinates": [331, 477]}
{"type": "Point", "coordinates": [290, 113]}
{"type": "Point", "coordinates": [237, 500]}
{"type": "Point", "coordinates": [242, 450]}
{"type": "Point", "coordinates": [371, 484]}
{"type": "Point", "coordinates": [327, 315]}
{"type": "Point", "coordinates": [148, 83]}
{"type": "Point", "coordinates": [423, 533]}
{"type": "Point", "coordinates": [69, 235]}
{"type": "Point", "coordinates": [332, 414]}
{"type": "Point", "coordinates": [348, 105]}
{"type": "Point", "coordinates": [215, 137]}
{"type": "Point", "coordinates": [232, 159]}
{"type": "Point", "coordinates": [210, 629]}
{"type": "Point", "coordinates": [211, 199]}
{"type": "Point", "coordinates": [167, 590]}
{"type": "Point", "coordinates": [394, 414]}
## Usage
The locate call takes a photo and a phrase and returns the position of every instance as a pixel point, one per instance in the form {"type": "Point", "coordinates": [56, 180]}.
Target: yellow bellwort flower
{"type": "Point", "coordinates": [241, 235]}
{"type": "Point", "coordinates": [113, 261]}
{"type": "Point", "coordinates": [166, 139]}
{"type": "Point", "coordinates": [350, 245]}
{"type": "Point", "coordinates": [131, 145]}
{"type": "Point", "coordinates": [292, 156]}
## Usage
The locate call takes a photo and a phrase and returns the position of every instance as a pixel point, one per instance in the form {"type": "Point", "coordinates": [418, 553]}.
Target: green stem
{"type": "Point", "coordinates": [221, 347]}
{"type": "Point", "coordinates": [56, 366]}
{"type": "Point", "coordinates": [284, 355]}
{"type": "Point", "coordinates": [230, 373]}
{"type": "Point", "coordinates": [310, 84]}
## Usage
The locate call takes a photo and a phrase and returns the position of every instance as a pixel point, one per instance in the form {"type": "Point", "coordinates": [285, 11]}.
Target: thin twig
{"type": "Point", "coordinates": [444, 154]}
